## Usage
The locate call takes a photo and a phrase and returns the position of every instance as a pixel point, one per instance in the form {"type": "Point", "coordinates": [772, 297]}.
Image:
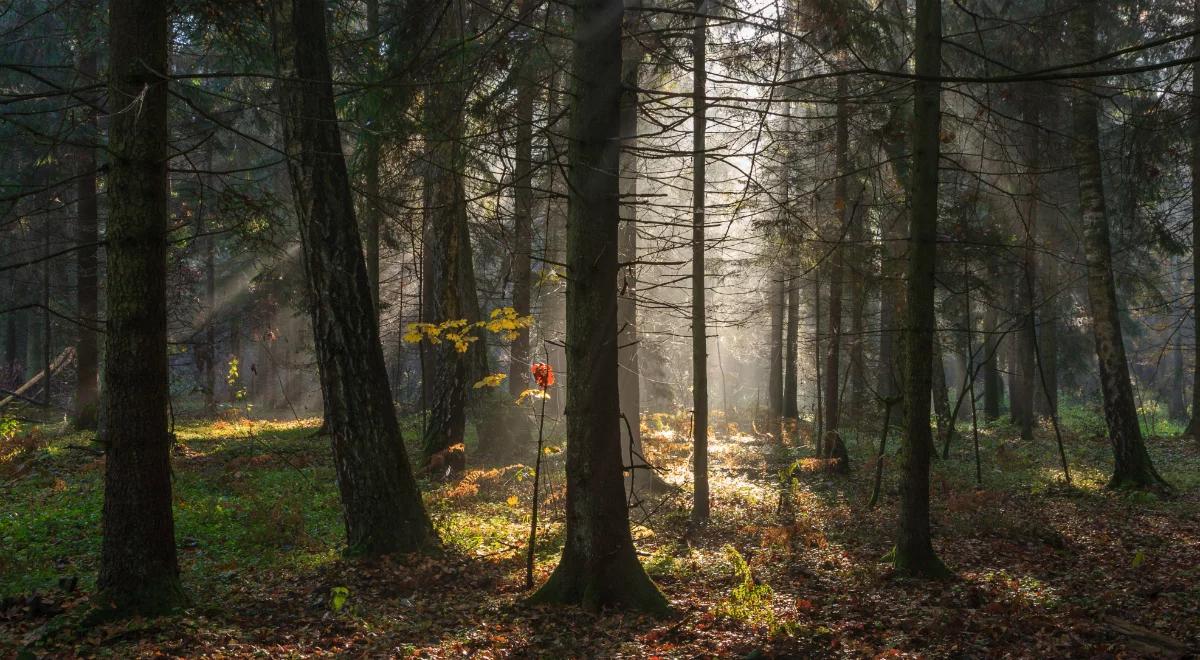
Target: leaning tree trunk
{"type": "Point", "coordinates": [87, 236]}
{"type": "Point", "coordinates": [381, 505]}
{"type": "Point", "coordinates": [914, 548]}
{"type": "Point", "coordinates": [138, 568]}
{"type": "Point", "coordinates": [1133, 467]}
{"type": "Point", "coordinates": [599, 566]}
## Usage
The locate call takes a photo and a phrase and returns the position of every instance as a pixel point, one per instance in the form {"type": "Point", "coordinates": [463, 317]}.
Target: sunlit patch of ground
{"type": "Point", "coordinates": [792, 562]}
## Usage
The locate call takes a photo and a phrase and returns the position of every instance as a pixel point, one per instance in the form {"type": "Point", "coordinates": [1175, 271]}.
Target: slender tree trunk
{"type": "Point", "coordinates": [941, 394]}
{"type": "Point", "coordinates": [858, 302]}
{"type": "Point", "coordinates": [792, 359]}
{"type": "Point", "coordinates": [914, 549]}
{"type": "Point", "coordinates": [777, 306]}
{"type": "Point", "coordinates": [138, 568]}
{"type": "Point", "coordinates": [1193, 428]}
{"type": "Point", "coordinates": [381, 505]}
{"type": "Point", "coordinates": [1046, 401]}
{"type": "Point", "coordinates": [640, 476]}
{"type": "Point", "coordinates": [992, 389]}
{"type": "Point", "coordinates": [554, 324]}
{"type": "Point", "coordinates": [371, 139]}
{"type": "Point", "coordinates": [599, 566]}
{"type": "Point", "coordinates": [87, 235]}
{"type": "Point", "coordinates": [1133, 467]}
{"type": "Point", "coordinates": [520, 265]}
{"type": "Point", "coordinates": [837, 269]}
{"type": "Point", "coordinates": [449, 279]}
{"type": "Point", "coordinates": [699, 317]}
{"type": "Point", "coordinates": [1026, 283]}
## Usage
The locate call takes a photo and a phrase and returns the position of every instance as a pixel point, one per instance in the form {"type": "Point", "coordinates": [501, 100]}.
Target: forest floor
{"type": "Point", "coordinates": [793, 563]}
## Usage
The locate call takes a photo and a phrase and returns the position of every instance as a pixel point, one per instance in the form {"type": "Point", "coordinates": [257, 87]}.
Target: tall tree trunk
{"type": "Point", "coordinates": [138, 568]}
{"type": "Point", "coordinates": [553, 323]}
{"type": "Point", "coordinates": [371, 140]}
{"type": "Point", "coordinates": [1133, 467]}
{"type": "Point", "coordinates": [941, 394]}
{"type": "Point", "coordinates": [1026, 283]}
{"type": "Point", "coordinates": [699, 317]}
{"type": "Point", "coordinates": [449, 280]}
{"type": "Point", "coordinates": [599, 566]}
{"type": "Point", "coordinates": [1046, 400]}
{"type": "Point", "coordinates": [776, 306]}
{"type": "Point", "coordinates": [791, 365]}
{"type": "Point", "coordinates": [520, 265]}
{"type": "Point", "coordinates": [858, 301]}
{"type": "Point", "coordinates": [381, 505]}
{"type": "Point", "coordinates": [914, 549]}
{"type": "Point", "coordinates": [87, 235]}
{"type": "Point", "coordinates": [992, 389]}
{"type": "Point", "coordinates": [640, 476]}
{"type": "Point", "coordinates": [1193, 428]}
{"type": "Point", "coordinates": [837, 268]}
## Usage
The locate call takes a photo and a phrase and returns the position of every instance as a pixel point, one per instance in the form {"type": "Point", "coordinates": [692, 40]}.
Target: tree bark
{"type": "Point", "coordinates": [381, 505]}
{"type": "Point", "coordinates": [1193, 428]}
{"type": "Point", "coordinates": [371, 139]}
{"type": "Point", "coordinates": [791, 365]}
{"type": "Point", "coordinates": [640, 476]}
{"type": "Point", "coordinates": [87, 236]}
{"type": "Point", "coordinates": [1132, 465]}
{"type": "Point", "coordinates": [699, 317]}
{"type": "Point", "coordinates": [520, 265]}
{"type": "Point", "coordinates": [599, 566]}
{"type": "Point", "coordinates": [914, 553]}
{"type": "Point", "coordinates": [449, 280]}
{"type": "Point", "coordinates": [837, 268]}
{"type": "Point", "coordinates": [992, 388]}
{"type": "Point", "coordinates": [138, 568]}
{"type": "Point", "coordinates": [777, 307]}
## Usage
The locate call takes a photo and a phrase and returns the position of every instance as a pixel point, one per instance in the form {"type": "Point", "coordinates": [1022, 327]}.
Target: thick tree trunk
{"type": "Point", "coordinates": [381, 504]}
{"type": "Point", "coordinates": [87, 235]}
{"type": "Point", "coordinates": [914, 549]}
{"type": "Point", "coordinates": [1133, 467]}
{"type": "Point", "coordinates": [138, 568]}
{"type": "Point", "coordinates": [791, 366]}
{"type": "Point", "coordinates": [699, 317]}
{"type": "Point", "coordinates": [599, 566]}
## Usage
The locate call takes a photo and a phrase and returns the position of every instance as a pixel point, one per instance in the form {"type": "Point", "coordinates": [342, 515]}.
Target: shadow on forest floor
{"type": "Point", "coordinates": [784, 568]}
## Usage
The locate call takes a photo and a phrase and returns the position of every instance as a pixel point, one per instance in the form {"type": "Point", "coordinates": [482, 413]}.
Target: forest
{"type": "Point", "coordinates": [599, 328]}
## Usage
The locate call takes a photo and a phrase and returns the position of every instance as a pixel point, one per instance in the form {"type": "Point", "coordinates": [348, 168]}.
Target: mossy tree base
{"type": "Point", "coordinates": [597, 584]}
{"type": "Point", "coordinates": [921, 565]}
{"type": "Point", "coordinates": [152, 598]}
